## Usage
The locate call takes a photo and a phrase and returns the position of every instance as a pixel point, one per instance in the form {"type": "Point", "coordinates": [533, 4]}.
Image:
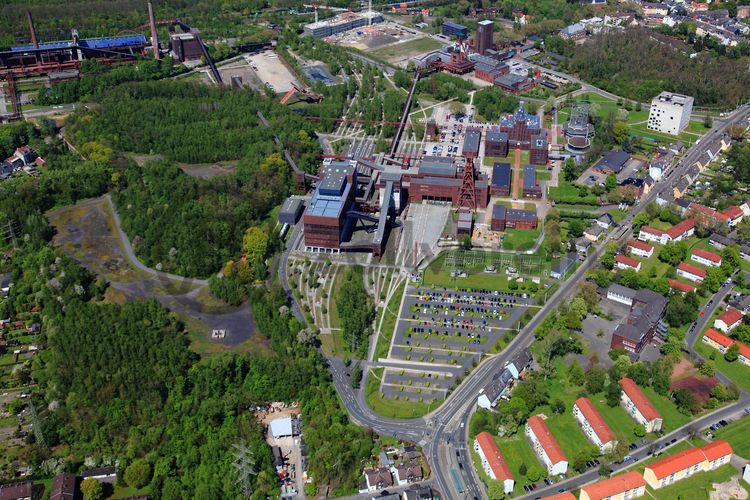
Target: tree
{"type": "Point", "coordinates": [522, 469]}
{"type": "Point", "coordinates": [708, 122]}
{"type": "Point", "coordinates": [605, 470]}
{"type": "Point", "coordinates": [558, 406]}
{"type": "Point", "coordinates": [496, 490]}
{"type": "Point", "coordinates": [138, 474]}
{"type": "Point", "coordinates": [570, 172]}
{"type": "Point", "coordinates": [535, 473]}
{"type": "Point", "coordinates": [733, 353]}
{"type": "Point", "coordinates": [575, 373]}
{"type": "Point", "coordinates": [92, 489]}
{"type": "Point", "coordinates": [575, 228]}
{"type": "Point", "coordinates": [613, 394]}
{"type": "Point", "coordinates": [466, 242]}
{"type": "Point", "coordinates": [595, 379]}
{"type": "Point", "coordinates": [686, 401]}
{"type": "Point", "coordinates": [587, 290]}
{"type": "Point", "coordinates": [639, 431]}
{"type": "Point", "coordinates": [255, 244]}
{"type": "Point", "coordinates": [578, 305]}
{"type": "Point", "coordinates": [579, 462]}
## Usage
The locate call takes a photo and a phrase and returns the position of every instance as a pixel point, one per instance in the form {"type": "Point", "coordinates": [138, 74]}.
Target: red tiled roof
{"type": "Point", "coordinates": [730, 316]}
{"type": "Point", "coordinates": [641, 245]}
{"type": "Point", "coordinates": [496, 461]}
{"type": "Point", "coordinates": [628, 261]}
{"type": "Point", "coordinates": [546, 439]}
{"type": "Point", "coordinates": [614, 485]}
{"type": "Point", "coordinates": [561, 496]}
{"type": "Point", "coordinates": [689, 268]}
{"type": "Point", "coordinates": [690, 457]}
{"type": "Point", "coordinates": [679, 285]}
{"type": "Point", "coordinates": [716, 449]}
{"type": "Point", "coordinates": [725, 341]}
{"type": "Point", "coordinates": [639, 399]}
{"type": "Point", "coordinates": [705, 254]}
{"type": "Point", "coordinates": [595, 420]}
{"type": "Point", "coordinates": [681, 228]}
{"type": "Point", "coordinates": [651, 230]}
{"type": "Point", "coordinates": [677, 462]}
{"type": "Point", "coordinates": [708, 211]}
{"type": "Point", "coordinates": [733, 212]}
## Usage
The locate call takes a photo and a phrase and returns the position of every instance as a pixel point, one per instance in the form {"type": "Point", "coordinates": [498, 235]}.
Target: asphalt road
{"type": "Point", "coordinates": [445, 431]}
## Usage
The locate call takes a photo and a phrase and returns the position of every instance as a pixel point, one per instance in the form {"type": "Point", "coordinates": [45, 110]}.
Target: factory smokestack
{"type": "Point", "coordinates": [34, 41]}
{"type": "Point", "coordinates": [152, 23]}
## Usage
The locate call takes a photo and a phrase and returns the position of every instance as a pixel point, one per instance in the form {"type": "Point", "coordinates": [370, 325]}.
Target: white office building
{"type": "Point", "coordinates": [670, 113]}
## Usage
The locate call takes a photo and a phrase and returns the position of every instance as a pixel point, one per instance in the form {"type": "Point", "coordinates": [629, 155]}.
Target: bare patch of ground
{"type": "Point", "coordinates": [87, 232]}
{"type": "Point", "coordinates": [209, 170]}
{"type": "Point", "coordinates": [729, 490]}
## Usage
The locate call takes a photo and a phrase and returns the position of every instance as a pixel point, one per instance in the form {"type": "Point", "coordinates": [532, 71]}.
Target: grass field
{"type": "Point", "coordinates": [389, 323]}
{"type": "Point", "coordinates": [737, 372]}
{"type": "Point", "coordinates": [406, 49]}
{"type": "Point", "coordinates": [673, 419]}
{"type": "Point", "coordinates": [568, 193]}
{"type": "Point", "coordinates": [516, 450]}
{"type": "Point", "coordinates": [636, 120]}
{"type": "Point", "coordinates": [390, 407]}
{"type": "Point", "coordinates": [697, 487]}
{"type": "Point", "coordinates": [738, 435]}
{"type": "Point", "coordinates": [543, 175]}
{"type": "Point", "coordinates": [520, 239]}
{"type": "Point", "coordinates": [481, 280]}
{"type": "Point", "coordinates": [617, 419]}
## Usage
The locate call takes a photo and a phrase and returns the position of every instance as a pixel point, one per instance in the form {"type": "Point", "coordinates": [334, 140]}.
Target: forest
{"type": "Point", "coordinates": [634, 64]}
{"type": "Point", "coordinates": [193, 123]}
{"type": "Point", "coordinates": [356, 311]}
{"type": "Point", "coordinates": [54, 19]}
{"type": "Point", "coordinates": [119, 381]}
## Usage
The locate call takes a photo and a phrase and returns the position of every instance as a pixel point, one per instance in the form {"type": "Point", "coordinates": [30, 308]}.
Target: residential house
{"type": "Point", "coordinates": [734, 215]}
{"type": "Point", "coordinates": [593, 232]}
{"type": "Point", "coordinates": [707, 217]}
{"type": "Point", "coordinates": [493, 463]}
{"type": "Point", "coordinates": [583, 245]}
{"type": "Point", "coordinates": [681, 286]}
{"type": "Point", "coordinates": [418, 492]}
{"type": "Point", "coordinates": [721, 342]}
{"type": "Point", "coordinates": [705, 258]}
{"type": "Point", "coordinates": [728, 320]}
{"type": "Point", "coordinates": [691, 272]}
{"type": "Point", "coordinates": [378, 478]}
{"type": "Point", "coordinates": [593, 425]}
{"type": "Point", "coordinates": [625, 262]}
{"type": "Point", "coordinates": [681, 187]}
{"type": "Point", "coordinates": [719, 241]}
{"type": "Point", "coordinates": [575, 32]}
{"type": "Point", "coordinates": [678, 232]}
{"type": "Point", "coordinates": [491, 393]}
{"type": "Point", "coordinates": [605, 221]}
{"type": "Point", "coordinates": [546, 446]}
{"type": "Point", "coordinates": [648, 233]}
{"type": "Point", "coordinates": [640, 248]}
{"type": "Point", "coordinates": [564, 265]}
{"type": "Point", "coordinates": [622, 487]}
{"type": "Point", "coordinates": [19, 491]}
{"type": "Point", "coordinates": [686, 463]}
{"type": "Point", "coordinates": [741, 302]}
{"type": "Point", "coordinates": [63, 487]}
{"type": "Point", "coordinates": [407, 473]}
{"type": "Point", "coordinates": [638, 406]}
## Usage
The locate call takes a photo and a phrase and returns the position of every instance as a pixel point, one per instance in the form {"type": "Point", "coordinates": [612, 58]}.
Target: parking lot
{"type": "Point", "coordinates": [443, 334]}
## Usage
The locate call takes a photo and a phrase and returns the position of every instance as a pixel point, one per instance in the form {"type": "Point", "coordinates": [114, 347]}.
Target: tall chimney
{"type": "Point", "coordinates": [152, 23]}
{"type": "Point", "coordinates": [34, 41]}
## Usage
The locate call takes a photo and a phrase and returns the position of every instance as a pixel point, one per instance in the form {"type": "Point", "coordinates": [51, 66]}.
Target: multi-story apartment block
{"type": "Point", "coordinates": [546, 446]}
{"type": "Point", "coordinates": [593, 425]}
{"type": "Point", "coordinates": [622, 487]}
{"type": "Point", "coordinates": [638, 406]}
{"type": "Point", "coordinates": [684, 464]}
{"type": "Point", "coordinates": [493, 462]}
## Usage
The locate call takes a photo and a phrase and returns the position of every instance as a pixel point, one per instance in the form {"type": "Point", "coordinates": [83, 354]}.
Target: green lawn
{"type": "Point", "coordinates": [391, 407]}
{"type": "Point", "coordinates": [738, 435]}
{"type": "Point", "coordinates": [737, 372]}
{"type": "Point", "coordinates": [617, 419]}
{"type": "Point", "coordinates": [696, 487]}
{"type": "Point", "coordinates": [389, 323]}
{"type": "Point", "coordinates": [569, 193]}
{"type": "Point", "coordinates": [520, 239]}
{"type": "Point", "coordinates": [543, 175]}
{"type": "Point", "coordinates": [673, 419]}
{"type": "Point", "coordinates": [405, 49]}
{"type": "Point", "coordinates": [8, 421]}
{"type": "Point", "coordinates": [574, 208]}
{"type": "Point", "coordinates": [617, 214]}
{"type": "Point", "coordinates": [516, 450]}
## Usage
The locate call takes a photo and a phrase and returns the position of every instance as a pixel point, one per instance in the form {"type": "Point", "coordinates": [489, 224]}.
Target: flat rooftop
{"type": "Point", "coordinates": [529, 177]}
{"type": "Point", "coordinates": [501, 174]}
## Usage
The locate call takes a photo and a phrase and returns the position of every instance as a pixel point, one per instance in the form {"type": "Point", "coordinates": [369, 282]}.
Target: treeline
{"type": "Point", "coordinates": [633, 64]}
{"type": "Point", "coordinates": [96, 78]}
{"type": "Point", "coordinates": [193, 123]}
{"type": "Point", "coordinates": [54, 19]}
{"type": "Point", "coordinates": [444, 86]}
